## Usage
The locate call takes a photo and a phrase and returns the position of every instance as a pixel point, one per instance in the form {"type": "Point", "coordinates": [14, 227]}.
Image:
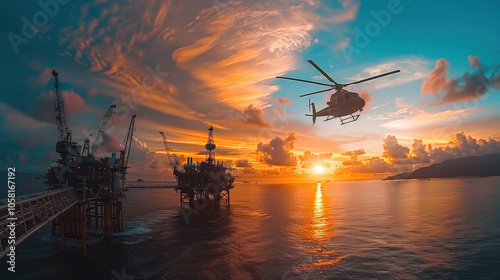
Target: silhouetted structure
{"type": "Point", "coordinates": [202, 183]}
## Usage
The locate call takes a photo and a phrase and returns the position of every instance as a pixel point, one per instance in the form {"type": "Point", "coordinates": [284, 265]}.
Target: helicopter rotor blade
{"type": "Point", "coordinates": [322, 72]}
{"type": "Point", "coordinates": [371, 78]}
{"type": "Point", "coordinates": [320, 91]}
{"type": "Point", "coordinates": [309, 104]}
{"type": "Point", "coordinates": [305, 81]}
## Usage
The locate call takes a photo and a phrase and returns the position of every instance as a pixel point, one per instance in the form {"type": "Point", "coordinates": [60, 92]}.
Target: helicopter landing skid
{"type": "Point", "coordinates": [349, 119]}
{"type": "Point", "coordinates": [329, 118]}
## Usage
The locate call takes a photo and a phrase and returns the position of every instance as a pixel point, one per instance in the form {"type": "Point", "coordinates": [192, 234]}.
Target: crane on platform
{"type": "Point", "coordinates": [127, 143]}
{"type": "Point", "coordinates": [68, 149]}
{"type": "Point", "coordinates": [172, 159]}
{"type": "Point", "coordinates": [100, 129]}
{"type": "Point", "coordinates": [63, 131]}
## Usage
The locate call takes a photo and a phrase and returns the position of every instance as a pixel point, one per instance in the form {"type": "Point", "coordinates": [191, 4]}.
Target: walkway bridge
{"type": "Point", "coordinates": [31, 213]}
{"type": "Point", "coordinates": [150, 185]}
{"type": "Point", "coordinates": [34, 211]}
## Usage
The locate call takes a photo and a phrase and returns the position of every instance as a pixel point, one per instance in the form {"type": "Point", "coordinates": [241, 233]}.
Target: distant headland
{"type": "Point", "coordinates": [476, 166]}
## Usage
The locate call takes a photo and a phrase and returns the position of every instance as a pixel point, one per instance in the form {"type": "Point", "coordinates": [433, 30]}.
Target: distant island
{"type": "Point", "coordinates": [477, 166]}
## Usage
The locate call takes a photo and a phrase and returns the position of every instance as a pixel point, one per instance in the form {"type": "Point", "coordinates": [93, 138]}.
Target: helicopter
{"type": "Point", "coordinates": [343, 104]}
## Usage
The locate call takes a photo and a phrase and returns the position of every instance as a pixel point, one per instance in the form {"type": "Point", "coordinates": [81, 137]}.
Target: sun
{"type": "Point", "coordinates": [319, 169]}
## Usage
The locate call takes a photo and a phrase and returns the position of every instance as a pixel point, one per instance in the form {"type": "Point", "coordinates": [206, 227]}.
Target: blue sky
{"type": "Point", "coordinates": [196, 62]}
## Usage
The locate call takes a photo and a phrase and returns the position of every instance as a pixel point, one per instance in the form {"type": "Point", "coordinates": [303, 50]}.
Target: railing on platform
{"type": "Point", "coordinates": [31, 213]}
{"type": "Point", "coordinates": [150, 185]}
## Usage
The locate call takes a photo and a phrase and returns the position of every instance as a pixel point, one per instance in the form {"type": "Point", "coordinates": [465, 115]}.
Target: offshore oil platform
{"type": "Point", "coordinates": [97, 182]}
{"type": "Point", "coordinates": [200, 184]}
{"type": "Point", "coordinates": [86, 192]}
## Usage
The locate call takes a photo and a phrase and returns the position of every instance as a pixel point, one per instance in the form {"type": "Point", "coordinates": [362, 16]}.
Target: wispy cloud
{"type": "Point", "coordinates": [241, 49]}
{"type": "Point", "coordinates": [408, 117]}
{"type": "Point", "coordinates": [412, 69]}
{"type": "Point", "coordinates": [422, 118]}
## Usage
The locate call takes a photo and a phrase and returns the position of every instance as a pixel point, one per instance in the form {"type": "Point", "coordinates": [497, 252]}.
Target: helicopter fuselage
{"type": "Point", "coordinates": [342, 103]}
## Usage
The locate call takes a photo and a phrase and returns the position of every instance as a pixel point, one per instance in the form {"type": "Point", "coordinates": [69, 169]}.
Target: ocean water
{"type": "Point", "coordinates": [414, 229]}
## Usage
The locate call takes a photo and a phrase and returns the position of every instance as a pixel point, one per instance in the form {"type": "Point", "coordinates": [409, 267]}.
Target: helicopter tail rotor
{"type": "Point", "coordinates": [313, 113]}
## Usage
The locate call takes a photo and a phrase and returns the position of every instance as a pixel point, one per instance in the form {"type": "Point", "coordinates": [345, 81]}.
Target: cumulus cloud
{"type": "Point", "coordinates": [245, 166]}
{"type": "Point", "coordinates": [353, 160]}
{"type": "Point", "coordinates": [399, 158]}
{"type": "Point", "coordinates": [393, 150]}
{"type": "Point", "coordinates": [461, 145]}
{"type": "Point", "coordinates": [471, 86]}
{"type": "Point", "coordinates": [243, 163]}
{"type": "Point", "coordinates": [420, 154]}
{"type": "Point", "coordinates": [353, 165]}
{"type": "Point", "coordinates": [309, 159]}
{"type": "Point", "coordinates": [277, 151]}
{"type": "Point", "coordinates": [354, 153]}
{"type": "Point", "coordinates": [248, 170]}
{"type": "Point", "coordinates": [146, 162]}
{"type": "Point", "coordinates": [373, 165]}
{"type": "Point", "coordinates": [254, 116]}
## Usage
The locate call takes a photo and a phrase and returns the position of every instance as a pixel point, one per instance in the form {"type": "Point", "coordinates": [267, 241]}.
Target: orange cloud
{"type": "Point", "coordinates": [393, 150]}
{"type": "Point", "coordinates": [372, 166]}
{"type": "Point", "coordinates": [180, 66]}
{"type": "Point", "coordinates": [277, 151]}
{"type": "Point", "coordinates": [469, 87]}
{"type": "Point", "coordinates": [254, 116]}
{"type": "Point", "coordinates": [284, 101]}
{"type": "Point", "coordinates": [115, 48]}
{"type": "Point", "coordinates": [243, 47]}
{"type": "Point", "coordinates": [308, 159]}
{"type": "Point", "coordinates": [399, 158]}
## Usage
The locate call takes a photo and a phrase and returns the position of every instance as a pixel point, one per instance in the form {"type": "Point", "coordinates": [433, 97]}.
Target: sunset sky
{"type": "Point", "coordinates": [181, 64]}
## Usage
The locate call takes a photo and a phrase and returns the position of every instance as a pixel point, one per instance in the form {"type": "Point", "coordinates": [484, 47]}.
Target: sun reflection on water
{"type": "Point", "coordinates": [320, 224]}
{"type": "Point", "coordinates": [319, 232]}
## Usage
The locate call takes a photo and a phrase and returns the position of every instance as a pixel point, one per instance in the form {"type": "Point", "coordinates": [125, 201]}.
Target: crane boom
{"type": "Point", "coordinates": [124, 154]}
{"type": "Point", "coordinates": [168, 151]}
{"type": "Point", "coordinates": [63, 131]}
{"type": "Point", "coordinates": [101, 129]}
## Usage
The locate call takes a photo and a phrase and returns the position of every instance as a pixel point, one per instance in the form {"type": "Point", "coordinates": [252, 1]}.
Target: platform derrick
{"type": "Point", "coordinates": [206, 182]}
